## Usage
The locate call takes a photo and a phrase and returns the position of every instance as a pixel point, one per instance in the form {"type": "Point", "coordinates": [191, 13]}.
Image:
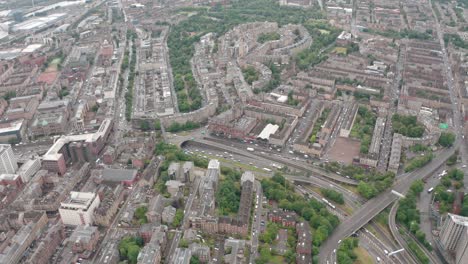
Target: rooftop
{"type": "Point", "coordinates": [458, 219]}
{"type": "Point", "coordinates": [118, 175]}
{"type": "Point", "coordinates": [78, 200]}
{"type": "Point", "coordinates": [269, 130]}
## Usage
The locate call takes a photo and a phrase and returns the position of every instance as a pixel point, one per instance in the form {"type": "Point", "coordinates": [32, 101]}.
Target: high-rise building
{"type": "Point", "coordinates": [8, 163]}
{"type": "Point", "coordinates": [453, 229]}
{"type": "Point", "coordinates": [78, 209]}
{"type": "Point", "coordinates": [461, 256]}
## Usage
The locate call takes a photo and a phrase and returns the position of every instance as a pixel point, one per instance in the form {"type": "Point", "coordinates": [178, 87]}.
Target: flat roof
{"type": "Point", "coordinates": [53, 153]}
{"type": "Point", "coordinates": [14, 126]}
{"type": "Point", "coordinates": [269, 130]}
{"type": "Point", "coordinates": [458, 219]}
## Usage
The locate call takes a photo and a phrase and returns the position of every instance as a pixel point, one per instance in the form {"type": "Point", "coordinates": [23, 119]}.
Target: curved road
{"type": "Point", "coordinates": [374, 206]}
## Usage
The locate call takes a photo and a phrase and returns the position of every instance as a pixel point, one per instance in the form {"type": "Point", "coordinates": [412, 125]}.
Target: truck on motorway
{"type": "Point", "coordinates": [251, 149]}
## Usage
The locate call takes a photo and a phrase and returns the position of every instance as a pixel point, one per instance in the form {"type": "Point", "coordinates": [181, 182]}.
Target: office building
{"type": "Point", "coordinates": [452, 231]}
{"type": "Point", "coordinates": [461, 256]}
{"type": "Point", "coordinates": [78, 209]}
{"type": "Point", "coordinates": [28, 169]}
{"type": "Point", "coordinates": [8, 164]}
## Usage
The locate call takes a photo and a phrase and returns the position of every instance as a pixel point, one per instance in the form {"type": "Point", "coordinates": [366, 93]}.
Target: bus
{"type": "Point", "coordinates": [430, 190]}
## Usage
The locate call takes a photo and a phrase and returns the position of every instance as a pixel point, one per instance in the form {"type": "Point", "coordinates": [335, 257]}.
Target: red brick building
{"type": "Point", "coordinates": [285, 218]}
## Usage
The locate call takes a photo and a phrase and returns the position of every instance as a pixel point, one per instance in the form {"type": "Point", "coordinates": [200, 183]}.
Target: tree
{"type": "Point", "coordinates": [144, 125]}
{"type": "Point", "coordinates": [333, 195]}
{"type": "Point", "coordinates": [456, 174]}
{"type": "Point", "coordinates": [133, 252]}
{"type": "Point", "coordinates": [446, 139]}
{"type": "Point", "coordinates": [157, 125]}
{"type": "Point", "coordinates": [446, 181]}
{"type": "Point", "coordinates": [366, 190]}
{"type": "Point", "coordinates": [178, 218]}
{"type": "Point", "coordinates": [140, 214]}
{"type": "Point", "coordinates": [129, 248]}
{"type": "Point", "coordinates": [194, 260]}
{"type": "Point", "coordinates": [417, 187]}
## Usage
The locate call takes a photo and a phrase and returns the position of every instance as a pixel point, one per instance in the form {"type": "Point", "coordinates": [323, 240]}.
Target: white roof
{"type": "Point", "coordinates": [213, 164]}
{"type": "Point", "coordinates": [31, 48]}
{"type": "Point", "coordinates": [14, 126]}
{"type": "Point", "coordinates": [282, 99]}
{"type": "Point", "coordinates": [247, 176]}
{"type": "Point", "coordinates": [269, 130]}
{"type": "Point", "coordinates": [53, 152]}
{"type": "Point", "coordinates": [458, 219]}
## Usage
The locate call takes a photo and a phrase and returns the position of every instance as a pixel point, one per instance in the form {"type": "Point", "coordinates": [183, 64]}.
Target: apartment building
{"type": "Point", "coordinates": [78, 208]}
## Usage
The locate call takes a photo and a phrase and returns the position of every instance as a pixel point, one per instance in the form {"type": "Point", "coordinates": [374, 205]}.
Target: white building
{"type": "Point", "coordinates": [247, 176]}
{"type": "Point", "coordinates": [78, 209]}
{"type": "Point", "coordinates": [461, 256]}
{"type": "Point", "coordinates": [453, 229]}
{"type": "Point", "coordinates": [8, 162]}
{"type": "Point", "coordinates": [28, 169]}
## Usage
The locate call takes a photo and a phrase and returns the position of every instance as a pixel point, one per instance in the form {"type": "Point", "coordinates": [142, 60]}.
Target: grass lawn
{"type": "Point", "coordinates": [277, 260]}
{"type": "Point", "coordinates": [384, 228]}
{"type": "Point", "coordinates": [53, 66]}
{"type": "Point", "coordinates": [351, 188]}
{"type": "Point", "coordinates": [341, 50]}
{"type": "Point", "coordinates": [363, 256]}
{"type": "Point", "coordinates": [323, 31]}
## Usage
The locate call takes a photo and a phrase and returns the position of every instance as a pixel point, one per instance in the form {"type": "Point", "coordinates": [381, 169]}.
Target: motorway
{"type": "Point", "coordinates": [212, 143]}
{"type": "Point", "coordinates": [374, 206]}
{"type": "Point", "coordinates": [373, 244]}
{"type": "Point", "coordinates": [394, 229]}
{"type": "Point", "coordinates": [369, 241]}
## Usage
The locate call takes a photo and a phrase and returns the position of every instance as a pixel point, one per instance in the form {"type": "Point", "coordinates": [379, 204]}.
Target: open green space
{"type": "Point", "coordinates": [419, 161]}
{"type": "Point", "coordinates": [129, 248]}
{"type": "Point", "coordinates": [345, 253]}
{"type": "Point", "coordinates": [229, 191]}
{"type": "Point", "coordinates": [371, 182]}
{"type": "Point", "coordinates": [318, 125]}
{"type": "Point", "coordinates": [408, 213]}
{"type": "Point", "coordinates": [407, 126]}
{"type": "Point", "coordinates": [444, 193]}
{"type": "Point", "coordinates": [362, 256]}
{"type": "Point", "coordinates": [250, 74]}
{"type": "Point", "coordinates": [363, 128]}
{"type": "Point", "coordinates": [321, 220]}
{"type": "Point", "coordinates": [184, 35]}
{"type": "Point", "coordinates": [265, 37]}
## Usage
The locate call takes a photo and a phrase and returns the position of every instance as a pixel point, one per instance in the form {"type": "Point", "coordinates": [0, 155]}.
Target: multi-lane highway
{"type": "Point", "coordinates": [353, 200]}
{"type": "Point", "coordinates": [208, 142]}
{"type": "Point", "coordinates": [374, 206]}
{"type": "Point", "coordinates": [370, 242]}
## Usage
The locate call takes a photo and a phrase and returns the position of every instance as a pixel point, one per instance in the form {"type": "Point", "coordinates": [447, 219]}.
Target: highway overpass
{"type": "Point", "coordinates": [374, 206]}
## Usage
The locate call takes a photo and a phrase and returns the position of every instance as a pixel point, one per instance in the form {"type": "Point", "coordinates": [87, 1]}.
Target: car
{"type": "Point", "coordinates": [385, 251]}
{"type": "Point", "coordinates": [339, 241]}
